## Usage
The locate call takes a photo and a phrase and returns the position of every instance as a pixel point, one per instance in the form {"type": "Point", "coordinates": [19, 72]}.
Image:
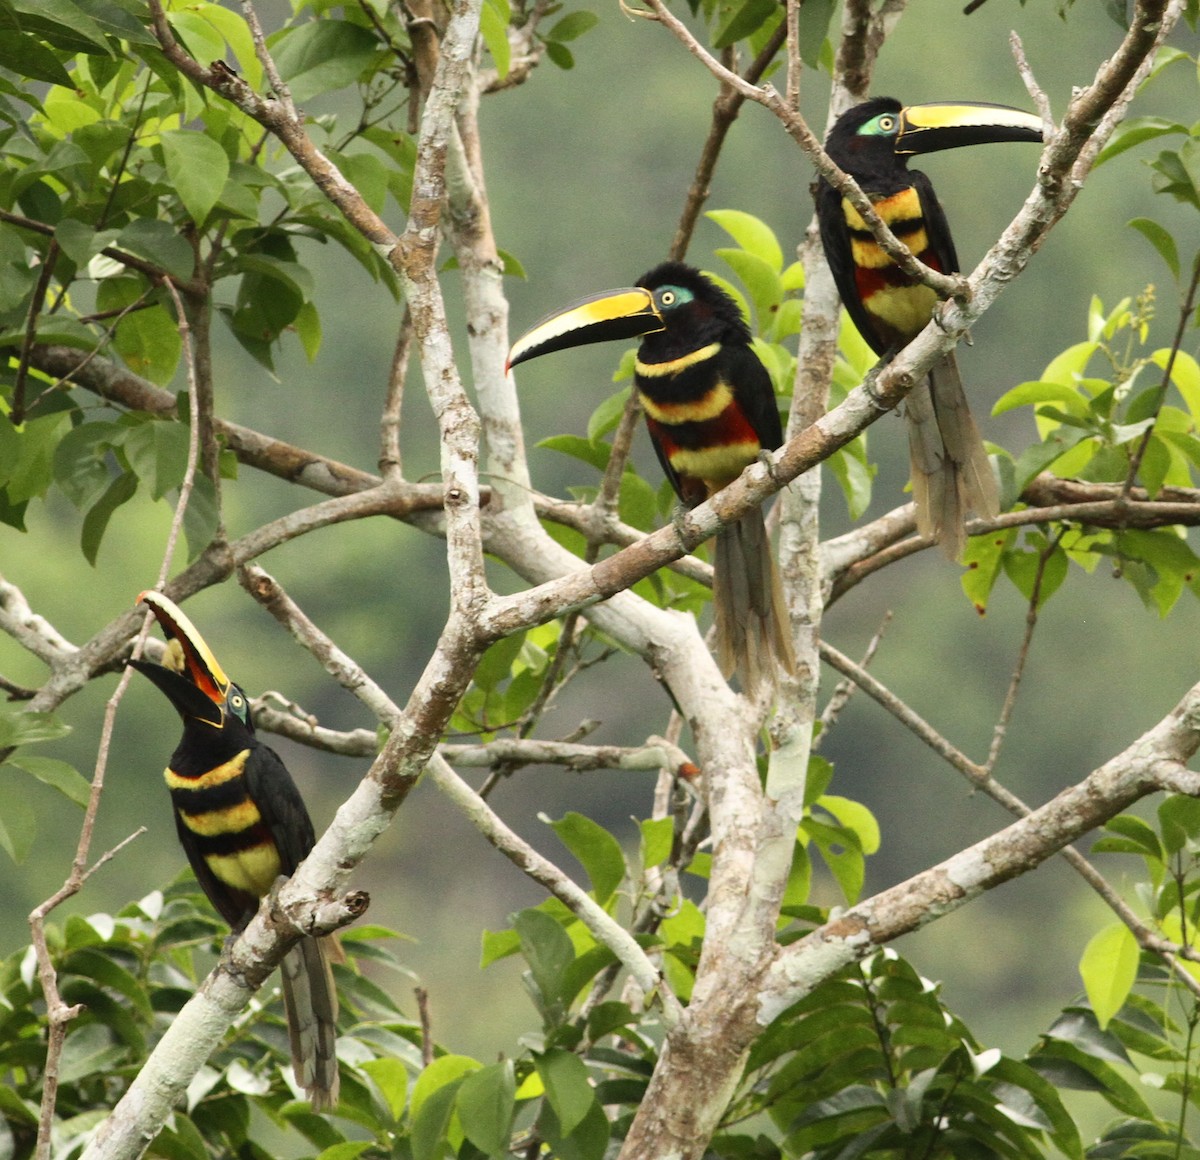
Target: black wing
{"type": "Point", "coordinates": [835, 240]}
{"type": "Point", "coordinates": [281, 807]}
{"type": "Point", "coordinates": [937, 228]}
{"type": "Point", "coordinates": [754, 392]}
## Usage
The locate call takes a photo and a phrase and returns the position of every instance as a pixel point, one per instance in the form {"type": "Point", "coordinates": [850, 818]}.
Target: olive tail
{"type": "Point", "coordinates": [310, 999]}
{"type": "Point", "coordinates": [753, 634]}
{"type": "Point", "coordinates": [951, 473]}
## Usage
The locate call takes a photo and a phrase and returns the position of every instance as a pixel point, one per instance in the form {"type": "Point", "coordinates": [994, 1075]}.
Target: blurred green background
{"type": "Point", "coordinates": [587, 171]}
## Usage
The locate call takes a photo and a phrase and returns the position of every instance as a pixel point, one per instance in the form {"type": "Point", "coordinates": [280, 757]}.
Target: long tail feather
{"type": "Point", "coordinates": [310, 999]}
{"type": "Point", "coordinates": [951, 473]}
{"type": "Point", "coordinates": [753, 636]}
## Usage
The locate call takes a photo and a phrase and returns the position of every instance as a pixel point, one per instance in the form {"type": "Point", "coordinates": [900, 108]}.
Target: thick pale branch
{"type": "Point", "coordinates": [1155, 762]}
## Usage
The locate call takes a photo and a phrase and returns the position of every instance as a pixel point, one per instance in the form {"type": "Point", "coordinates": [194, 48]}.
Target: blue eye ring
{"type": "Point", "coordinates": [885, 125]}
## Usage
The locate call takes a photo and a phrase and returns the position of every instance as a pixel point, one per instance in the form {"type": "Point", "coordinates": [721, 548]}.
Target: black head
{"type": "Point", "coordinates": [191, 678]}
{"type": "Point", "coordinates": [673, 303]}
{"type": "Point", "coordinates": [881, 133]}
{"type": "Point", "coordinates": [865, 136]}
{"type": "Point", "coordinates": [691, 303]}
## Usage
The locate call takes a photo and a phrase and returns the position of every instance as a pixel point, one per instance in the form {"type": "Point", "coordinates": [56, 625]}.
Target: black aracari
{"type": "Point", "coordinates": [951, 474]}
{"type": "Point", "coordinates": [710, 410]}
{"type": "Point", "coordinates": [242, 823]}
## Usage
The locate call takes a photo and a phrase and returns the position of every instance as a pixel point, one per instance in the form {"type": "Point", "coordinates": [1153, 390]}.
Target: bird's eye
{"type": "Point", "coordinates": [887, 124]}
{"type": "Point", "coordinates": [237, 702]}
{"type": "Point", "coordinates": [668, 298]}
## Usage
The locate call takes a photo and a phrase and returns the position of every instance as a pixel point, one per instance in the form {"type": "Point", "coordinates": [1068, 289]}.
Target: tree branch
{"type": "Point", "coordinates": [1155, 762]}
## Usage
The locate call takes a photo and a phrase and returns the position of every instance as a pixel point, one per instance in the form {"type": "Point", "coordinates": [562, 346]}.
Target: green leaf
{"type": "Point", "coordinates": [637, 501]}
{"type": "Point", "coordinates": [322, 55]}
{"type": "Point", "coordinates": [26, 56]}
{"type": "Point", "coordinates": [148, 340]}
{"type": "Point", "coordinates": [567, 1087]}
{"type": "Point", "coordinates": [597, 850]}
{"type": "Point", "coordinates": [498, 944]}
{"type": "Point", "coordinates": [597, 454]}
{"type": "Point", "coordinates": [1133, 131]}
{"type": "Point", "coordinates": [743, 19]}
{"type": "Point", "coordinates": [1023, 569]}
{"type": "Point", "coordinates": [390, 1076]}
{"type": "Point", "coordinates": [813, 29]}
{"type": "Point", "coordinates": [88, 1052]}
{"type": "Point", "coordinates": [20, 727]}
{"type": "Point", "coordinates": [64, 17]}
{"type": "Point", "coordinates": [1161, 239]}
{"type": "Point", "coordinates": [493, 27]}
{"type": "Point", "coordinates": [57, 774]}
{"type": "Point", "coordinates": [760, 279]}
{"type": "Point", "coordinates": [855, 476]}
{"type": "Point", "coordinates": [560, 55]}
{"type": "Point", "coordinates": [496, 664]}
{"type": "Point", "coordinates": [368, 174]}
{"type": "Point", "coordinates": [431, 1120]}
{"type": "Point", "coordinates": [658, 835]}
{"type": "Point", "coordinates": [79, 241]}
{"type": "Point", "coordinates": [201, 517]}
{"type": "Point", "coordinates": [33, 471]}
{"type": "Point", "coordinates": [548, 951]}
{"type": "Point", "coordinates": [855, 817]}
{"type": "Point", "coordinates": [752, 234]}
{"type": "Point", "coordinates": [1185, 375]}
{"type": "Point", "coordinates": [1036, 394]}
{"type": "Point", "coordinates": [446, 1069]}
{"type": "Point", "coordinates": [347, 1150]}
{"type": "Point", "coordinates": [607, 415]}
{"type": "Point", "coordinates": [587, 1141]}
{"type": "Point", "coordinates": [197, 167]}
{"type": "Point", "coordinates": [840, 852]}
{"type": "Point", "coordinates": [18, 825]}
{"type": "Point", "coordinates": [98, 964]}
{"type": "Point", "coordinates": [485, 1105]}
{"type": "Point", "coordinates": [95, 523]}
{"type": "Point", "coordinates": [573, 25]}
{"type": "Point", "coordinates": [158, 453]}
{"type": "Point", "coordinates": [158, 242]}
{"type": "Point", "coordinates": [1109, 968]}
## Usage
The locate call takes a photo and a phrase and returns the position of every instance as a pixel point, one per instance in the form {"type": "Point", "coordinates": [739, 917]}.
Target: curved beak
{"type": "Point", "coordinates": [949, 124]}
{"type": "Point", "coordinates": [190, 676]}
{"type": "Point", "coordinates": [603, 317]}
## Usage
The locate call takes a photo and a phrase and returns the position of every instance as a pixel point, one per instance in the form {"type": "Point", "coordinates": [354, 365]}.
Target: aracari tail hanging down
{"type": "Point", "coordinates": [951, 474]}
{"type": "Point", "coordinates": [242, 823]}
{"type": "Point", "coordinates": [710, 409]}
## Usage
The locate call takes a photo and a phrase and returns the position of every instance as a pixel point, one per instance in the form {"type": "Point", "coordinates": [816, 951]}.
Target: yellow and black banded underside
{"type": "Point", "coordinates": [899, 306]}
{"type": "Point", "coordinates": [701, 429]}
{"type": "Point", "coordinates": [222, 827]}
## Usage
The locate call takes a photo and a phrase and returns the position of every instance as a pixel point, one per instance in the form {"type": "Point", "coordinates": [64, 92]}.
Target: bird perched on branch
{"type": "Point", "coordinates": [242, 823]}
{"type": "Point", "coordinates": [951, 474]}
{"type": "Point", "coordinates": [710, 410]}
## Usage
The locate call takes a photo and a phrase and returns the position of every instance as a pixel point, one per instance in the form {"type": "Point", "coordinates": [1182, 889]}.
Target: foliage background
{"type": "Point", "coordinates": [592, 209]}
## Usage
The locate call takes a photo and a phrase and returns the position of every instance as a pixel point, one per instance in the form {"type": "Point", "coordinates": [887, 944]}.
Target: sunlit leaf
{"type": "Point", "coordinates": [1108, 968]}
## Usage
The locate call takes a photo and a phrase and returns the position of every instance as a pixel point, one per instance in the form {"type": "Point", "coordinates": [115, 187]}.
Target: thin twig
{"type": "Point", "coordinates": [1185, 320]}
{"type": "Point", "coordinates": [845, 688]}
{"type": "Point", "coordinates": [58, 1014]}
{"type": "Point", "coordinates": [980, 777]}
{"type": "Point", "coordinates": [427, 1043]}
{"type": "Point", "coordinates": [1031, 619]}
{"type": "Point", "coordinates": [391, 463]}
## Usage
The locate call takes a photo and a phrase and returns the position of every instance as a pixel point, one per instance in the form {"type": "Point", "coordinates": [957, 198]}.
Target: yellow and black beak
{"type": "Point", "coordinates": [190, 676]}
{"type": "Point", "coordinates": [949, 124]}
{"type": "Point", "coordinates": [604, 317]}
